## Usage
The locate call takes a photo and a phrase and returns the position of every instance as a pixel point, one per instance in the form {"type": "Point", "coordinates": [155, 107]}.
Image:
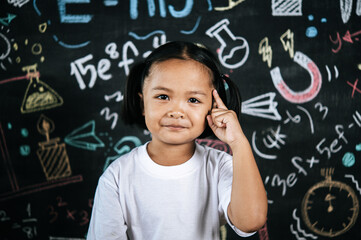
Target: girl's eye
{"type": "Point", "coordinates": [163, 97]}
{"type": "Point", "coordinates": [193, 100]}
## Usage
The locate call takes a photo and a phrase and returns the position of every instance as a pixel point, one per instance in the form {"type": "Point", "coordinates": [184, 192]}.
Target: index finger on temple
{"type": "Point", "coordinates": [218, 100]}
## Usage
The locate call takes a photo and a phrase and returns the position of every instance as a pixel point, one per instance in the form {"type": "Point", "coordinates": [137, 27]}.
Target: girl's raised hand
{"type": "Point", "coordinates": [224, 123]}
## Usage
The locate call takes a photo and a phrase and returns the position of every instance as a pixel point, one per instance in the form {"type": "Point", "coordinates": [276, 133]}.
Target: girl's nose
{"type": "Point", "coordinates": [176, 115]}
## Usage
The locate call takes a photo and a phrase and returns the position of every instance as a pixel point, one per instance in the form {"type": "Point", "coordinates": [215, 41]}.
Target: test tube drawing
{"type": "Point", "coordinates": [234, 50]}
{"type": "Point", "coordinates": [52, 154]}
{"type": "Point", "coordinates": [38, 95]}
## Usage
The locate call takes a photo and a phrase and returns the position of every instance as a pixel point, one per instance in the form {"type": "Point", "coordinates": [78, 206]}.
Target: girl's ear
{"type": "Point", "coordinates": [141, 102]}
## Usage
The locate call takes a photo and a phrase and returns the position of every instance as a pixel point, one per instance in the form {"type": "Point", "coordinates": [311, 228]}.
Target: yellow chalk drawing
{"type": "Point", "coordinates": [38, 95]}
{"type": "Point", "coordinates": [287, 42]}
{"type": "Point", "coordinates": [37, 49]}
{"type": "Point", "coordinates": [43, 27]}
{"type": "Point", "coordinates": [330, 208]}
{"type": "Point", "coordinates": [266, 51]}
{"type": "Point", "coordinates": [52, 154]}
{"type": "Point", "coordinates": [231, 4]}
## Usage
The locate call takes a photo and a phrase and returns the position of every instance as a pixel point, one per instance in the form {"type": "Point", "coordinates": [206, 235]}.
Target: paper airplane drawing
{"type": "Point", "coordinates": [262, 106]}
{"type": "Point", "coordinates": [84, 137]}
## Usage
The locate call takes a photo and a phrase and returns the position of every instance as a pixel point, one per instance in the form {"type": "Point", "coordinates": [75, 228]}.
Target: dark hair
{"type": "Point", "coordinates": [132, 105]}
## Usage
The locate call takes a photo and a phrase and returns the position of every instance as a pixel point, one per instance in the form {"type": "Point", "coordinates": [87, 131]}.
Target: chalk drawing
{"type": "Point", "coordinates": [7, 20]}
{"type": "Point", "coordinates": [301, 96]}
{"type": "Point", "coordinates": [122, 147]}
{"type": "Point", "coordinates": [266, 51]}
{"type": "Point", "coordinates": [352, 177]}
{"type": "Point", "coordinates": [288, 42]}
{"type": "Point", "coordinates": [231, 4]}
{"type": "Point", "coordinates": [295, 217]}
{"type": "Point", "coordinates": [262, 106]}
{"type": "Point", "coordinates": [52, 154]}
{"type": "Point", "coordinates": [71, 18]}
{"type": "Point", "coordinates": [38, 96]}
{"type": "Point", "coordinates": [329, 75]}
{"type": "Point", "coordinates": [346, 8]}
{"type": "Point", "coordinates": [194, 28]}
{"type": "Point", "coordinates": [231, 47]}
{"type": "Point", "coordinates": [5, 51]}
{"type": "Point", "coordinates": [85, 137]}
{"type": "Point", "coordinates": [287, 7]}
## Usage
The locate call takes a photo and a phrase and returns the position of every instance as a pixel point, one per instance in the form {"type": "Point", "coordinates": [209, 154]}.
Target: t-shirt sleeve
{"type": "Point", "coordinates": [224, 190]}
{"type": "Point", "coordinates": [107, 221]}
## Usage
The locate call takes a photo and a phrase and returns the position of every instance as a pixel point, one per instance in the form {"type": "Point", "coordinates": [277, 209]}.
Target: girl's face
{"type": "Point", "coordinates": [177, 96]}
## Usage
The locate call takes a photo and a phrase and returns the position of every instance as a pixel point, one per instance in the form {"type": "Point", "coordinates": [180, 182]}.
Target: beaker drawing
{"type": "Point", "coordinates": [52, 154]}
{"type": "Point", "coordinates": [38, 95]}
{"type": "Point", "coordinates": [234, 50]}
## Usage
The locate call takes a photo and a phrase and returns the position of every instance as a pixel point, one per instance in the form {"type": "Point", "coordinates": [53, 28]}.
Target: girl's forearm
{"type": "Point", "coordinates": [248, 207]}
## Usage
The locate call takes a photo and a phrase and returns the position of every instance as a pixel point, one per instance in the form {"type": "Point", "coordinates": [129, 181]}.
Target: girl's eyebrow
{"type": "Point", "coordinates": [196, 93]}
{"type": "Point", "coordinates": [162, 89]}
{"type": "Point", "coordinates": [192, 92]}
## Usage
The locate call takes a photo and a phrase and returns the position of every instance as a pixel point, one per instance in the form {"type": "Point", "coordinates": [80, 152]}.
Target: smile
{"type": "Point", "coordinates": [175, 127]}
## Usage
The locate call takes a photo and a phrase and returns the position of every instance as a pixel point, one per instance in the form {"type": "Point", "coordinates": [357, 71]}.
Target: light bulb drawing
{"type": "Point", "coordinates": [234, 50]}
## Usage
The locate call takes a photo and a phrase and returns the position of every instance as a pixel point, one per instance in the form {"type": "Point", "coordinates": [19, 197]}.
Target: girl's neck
{"type": "Point", "coordinates": [170, 154]}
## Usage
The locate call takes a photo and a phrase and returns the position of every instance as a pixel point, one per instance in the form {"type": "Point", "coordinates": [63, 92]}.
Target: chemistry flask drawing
{"type": "Point", "coordinates": [234, 50]}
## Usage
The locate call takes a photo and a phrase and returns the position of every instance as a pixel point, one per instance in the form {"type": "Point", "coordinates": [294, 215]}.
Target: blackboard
{"type": "Point", "coordinates": [63, 65]}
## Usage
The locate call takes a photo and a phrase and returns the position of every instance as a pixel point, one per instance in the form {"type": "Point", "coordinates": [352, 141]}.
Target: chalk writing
{"type": "Point", "coordinates": [78, 69]}
{"type": "Point", "coordinates": [275, 139]}
{"type": "Point", "coordinates": [25, 227]}
{"type": "Point", "coordinates": [335, 145]}
{"type": "Point", "coordinates": [162, 9]}
{"type": "Point", "coordinates": [63, 210]}
{"type": "Point", "coordinates": [277, 181]}
{"type": "Point", "coordinates": [258, 152]}
{"type": "Point", "coordinates": [347, 38]}
{"type": "Point", "coordinates": [354, 87]}
{"type": "Point", "coordinates": [66, 62]}
{"type": "Point", "coordinates": [18, 3]}
{"type": "Point", "coordinates": [70, 18]}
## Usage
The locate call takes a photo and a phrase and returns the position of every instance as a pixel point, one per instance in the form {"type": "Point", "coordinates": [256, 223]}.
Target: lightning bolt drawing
{"type": "Point", "coordinates": [266, 51]}
{"type": "Point", "coordinates": [287, 42]}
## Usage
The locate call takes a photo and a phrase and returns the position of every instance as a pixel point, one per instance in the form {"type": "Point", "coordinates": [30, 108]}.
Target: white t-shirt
{"type": "Point", "coordinates": [138, 199]}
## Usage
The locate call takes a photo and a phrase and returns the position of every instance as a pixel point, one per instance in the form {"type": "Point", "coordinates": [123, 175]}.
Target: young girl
{"type": "Point", "coordinates": [172, 187]}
